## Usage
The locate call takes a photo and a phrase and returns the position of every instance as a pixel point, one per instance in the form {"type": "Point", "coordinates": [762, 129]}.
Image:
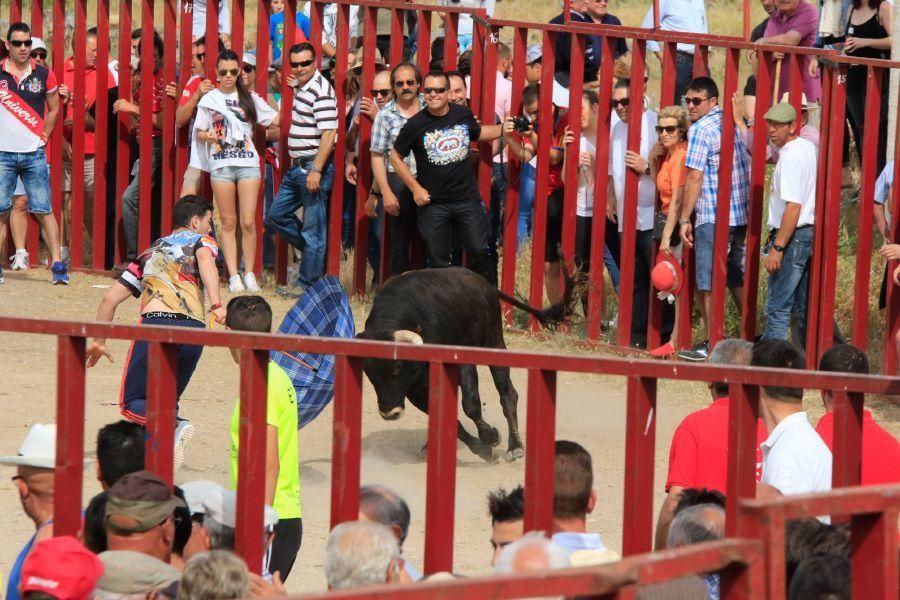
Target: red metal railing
{"type": "Point", "coordinates": [444, 364]}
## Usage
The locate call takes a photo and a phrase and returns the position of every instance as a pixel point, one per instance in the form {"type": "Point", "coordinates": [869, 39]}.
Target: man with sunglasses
{"type": "Point", "coordinates": [395, 195]}
{"type": "Point", "coordinates": [29, 107]}
{"type": "Point", "coordinates": [701, 192]}
{"type": "Point", "coordinates": [311, 175]}
{"type": "Point", "coordinates": [39, 52]}
{"type": "Point", "coordinates": [445, 187]}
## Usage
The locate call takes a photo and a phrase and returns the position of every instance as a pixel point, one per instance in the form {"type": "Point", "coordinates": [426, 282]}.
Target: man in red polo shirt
{"type": "Point", "coordinates": [698, 456]}
{"type": "Point", "coordinates": [880, 449]}
{"type": "Point", "coordinates": [90, 97]}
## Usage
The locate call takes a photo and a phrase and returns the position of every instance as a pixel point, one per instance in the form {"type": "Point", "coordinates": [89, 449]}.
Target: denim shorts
{"type": "Point", "coordinates": [235, 174]}
{"type": "Point", "coordinates": [31, 168]}
{"type": "Point", "coordinates": [703, 255]}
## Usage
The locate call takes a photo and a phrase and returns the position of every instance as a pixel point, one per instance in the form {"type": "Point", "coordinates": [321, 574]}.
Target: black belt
{"type": "Point", "coordinates": [774, 230]}
{"type": "Point", "coordinates": [302, 162]}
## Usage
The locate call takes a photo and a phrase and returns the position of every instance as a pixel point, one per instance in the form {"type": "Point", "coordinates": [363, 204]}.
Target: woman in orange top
{"type": "Point", "coordinates": [669, 155]}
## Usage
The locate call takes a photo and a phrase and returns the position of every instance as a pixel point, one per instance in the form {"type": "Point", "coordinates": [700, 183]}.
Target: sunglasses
{"type": "Point", "coordinates": [668, 129]}
{"type": "Point", "coordinates": [696, 100]}
{"type": "Point", "coordinates": [301, 63]}
{"type": "Point", "coordinates": [249, 68]}
{"type": "Point", "coordinates": [385, 92]}
{"type": "Point", "coordinates": [407, 83]}
{"type": "Point", "coordinates": [200, 56]}
{"type": "Point", "coordinates": [20, 43]}
{"type": "Point", "coordinates": [39, 54]}
{"type": "Point", "coordinates": [434, 90]}
{"type": "Point", "coordinates": [623, 102]}
{"type": "Point", "coordinates": [232, 72]}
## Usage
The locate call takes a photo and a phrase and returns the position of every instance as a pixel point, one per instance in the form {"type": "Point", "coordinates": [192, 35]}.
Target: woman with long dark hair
{"type": "Point", "coordinates": [223, 135]}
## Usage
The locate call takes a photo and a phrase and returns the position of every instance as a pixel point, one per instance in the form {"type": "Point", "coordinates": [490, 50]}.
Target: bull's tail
{"type": "Point", "coordinates": [553, 315]}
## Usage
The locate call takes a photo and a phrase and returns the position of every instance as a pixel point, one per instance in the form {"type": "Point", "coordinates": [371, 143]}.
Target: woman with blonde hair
{"type": "Point", "coordinates": [667, 167]}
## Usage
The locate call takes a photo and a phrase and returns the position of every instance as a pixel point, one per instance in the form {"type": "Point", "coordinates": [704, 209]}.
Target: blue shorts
{"type": "Point", "coordinates": [234, 174]}
{"type": "Point", "coordinates": [703, 255]}
{"type": "Point", "coordinates": [31, 168]}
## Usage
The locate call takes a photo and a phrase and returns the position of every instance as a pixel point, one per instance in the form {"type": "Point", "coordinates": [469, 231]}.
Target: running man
{"type": "Point", "coordinates": [170, 278]}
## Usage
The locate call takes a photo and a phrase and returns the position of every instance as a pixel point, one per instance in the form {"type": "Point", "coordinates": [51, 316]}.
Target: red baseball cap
{"type": "Point", "coordinates": [667, 276]}
{"type": "Point", "coordinates": [62, 568]}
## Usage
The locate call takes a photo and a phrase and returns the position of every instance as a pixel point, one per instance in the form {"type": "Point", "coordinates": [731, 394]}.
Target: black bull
{"type": "Point", "coordinates": [452, 306]}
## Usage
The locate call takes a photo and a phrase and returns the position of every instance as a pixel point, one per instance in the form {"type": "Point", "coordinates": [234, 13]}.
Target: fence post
{"type": "Point", "coordinates": [743, 415]}
{"type": "Point", "coordinates": [640, 441]}
{"type": "Point", "coordinates": [873, 552]}
{"type": "Point", "coordinates": [69, 468]}
{"type": "Point", "coordinates": [101, 128]}
{"type": "Point", "coordinates": [346, 439]}
{"type": "Point", "coordinates": [162, 362]}
{"type": "Point", "coordinates": [440, 492]}
{"type": "Point", "coordinates": [78, 107]}
{"type": "Point", "coordinates": [540, 457]}
{"type": "Point", "coordinates": [846, 469]}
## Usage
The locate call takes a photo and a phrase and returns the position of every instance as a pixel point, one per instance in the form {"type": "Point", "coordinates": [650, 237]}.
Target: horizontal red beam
{"type": "Point", "coordinates": [605, 365]}
{"type": "Point", "coordinates": [838, 501]}
{"type": "Point", "coordinates": [640, 569]}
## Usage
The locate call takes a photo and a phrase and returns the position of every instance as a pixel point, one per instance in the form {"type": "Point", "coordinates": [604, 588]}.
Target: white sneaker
{"type": "Point", "coordinates": [19, 261]}
{"type": "Point", "coordinates": [184, 431]}
{"type": "Point", "coordinates": [235, 284]}
{"type": "Point", "coordinates": [250, 282]}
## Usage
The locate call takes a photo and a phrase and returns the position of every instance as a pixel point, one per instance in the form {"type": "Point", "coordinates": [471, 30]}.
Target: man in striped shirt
{"type": "Point", "coordinates": [311, 139]}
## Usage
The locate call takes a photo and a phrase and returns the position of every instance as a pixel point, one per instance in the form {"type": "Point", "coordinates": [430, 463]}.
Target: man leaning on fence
{"type": "Point", "coordinates": [311, 175]}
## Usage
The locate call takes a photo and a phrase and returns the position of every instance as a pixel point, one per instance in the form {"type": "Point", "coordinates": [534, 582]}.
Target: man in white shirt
{"type": "Point", "coordinates": [464, 25]}
{"type": "Point", "coordinates": [795, 459]}
{"type": "Point", "coordinates": [792, 206]}
{"type": "Point", "coordinates": [620, 160]}
{"type": "Point", "coordinates": [686, 16]}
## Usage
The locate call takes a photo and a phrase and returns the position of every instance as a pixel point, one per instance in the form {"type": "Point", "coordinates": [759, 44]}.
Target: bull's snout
{"type": "Point", "coordinates": [393, 414]}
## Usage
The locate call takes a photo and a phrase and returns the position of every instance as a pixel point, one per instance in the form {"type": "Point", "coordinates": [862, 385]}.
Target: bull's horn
{"type": "Point", "coordinates": [408, 337]}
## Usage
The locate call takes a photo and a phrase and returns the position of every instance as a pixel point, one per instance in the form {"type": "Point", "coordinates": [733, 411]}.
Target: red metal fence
{"type": "Point", "coordinates": [877, 507]}
{"type": "Point", "coordinates": [487, 33]}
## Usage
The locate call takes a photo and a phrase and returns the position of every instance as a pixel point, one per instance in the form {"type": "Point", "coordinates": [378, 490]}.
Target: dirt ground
{"type": "Point", "coordinates": [591, 411]}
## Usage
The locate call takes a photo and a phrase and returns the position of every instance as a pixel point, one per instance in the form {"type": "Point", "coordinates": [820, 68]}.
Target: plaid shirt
{"type": "Point", "coordinates": [704, 148]}
{"type": "Point", "coordinates": [388, 123]}
{"type": "Point", "coordinates": [322, 311]}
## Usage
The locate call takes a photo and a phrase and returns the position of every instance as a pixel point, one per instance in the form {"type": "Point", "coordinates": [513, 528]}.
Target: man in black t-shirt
{"type": "Point", "coordinates": [446, 189]}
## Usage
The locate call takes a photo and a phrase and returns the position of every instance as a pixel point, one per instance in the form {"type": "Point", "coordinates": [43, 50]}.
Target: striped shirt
{"type": "Point", "coordinates": [314, 111]}
{"type": "Point", "coordinates": [703, 152]}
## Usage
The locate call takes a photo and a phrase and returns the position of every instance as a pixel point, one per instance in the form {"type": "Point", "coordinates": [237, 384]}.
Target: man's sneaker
{"type": "Point", "coordinates": [184, 431]}
{"type": "Point", "coordinates": [19, 261]}
{"type": "Point", "coordinates": [698, 353]}
{"type": "Point", "coordinates": [235, 284]}
{"type": "Point", "coordinates": [290, 291]}
{"type": "Point", "coordinates": [250, 282]}
{"type": "Point", "coordinates": [60, 273]}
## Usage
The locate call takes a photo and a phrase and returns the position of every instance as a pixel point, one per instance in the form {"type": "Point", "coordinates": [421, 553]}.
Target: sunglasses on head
{"type": "Point", "coordinates": [385, 92]}
{"type": "Point", "coordinates": [434, 90]}
{"type": "Point", "coordinates": [20, 43]}
{"type": "Point", "coordinates": [668, 129]}
{"type": "Point", "coordinates": [248, 68]}
{"type": "Point", "coordinates": [407, 83]}
{"type": "Point", "coordinates": [301, 63]}
{"type": "Point", "coordinates": [623, 102]}
{"type": "Point", "coordinates": [200, 56]}
{"type": "Point", "coordinates": [696, 100]}
{"type": "Point", "coordinates": [38, 54]}
{"type": "Point", "coordinates": [232, 72]}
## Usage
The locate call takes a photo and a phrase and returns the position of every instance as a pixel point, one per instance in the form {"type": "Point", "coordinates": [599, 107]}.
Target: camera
{"type": "Point", "coordinates": [521, 124]}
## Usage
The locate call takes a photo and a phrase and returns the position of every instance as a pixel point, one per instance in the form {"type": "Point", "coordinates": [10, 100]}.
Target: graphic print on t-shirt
{"type": "Point", "coordinates": [447, 146]}
{"type": "Point", "coordinates": [222, 150]}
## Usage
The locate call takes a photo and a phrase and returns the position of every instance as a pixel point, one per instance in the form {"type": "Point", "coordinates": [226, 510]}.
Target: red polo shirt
{"type": "Point", "coordinates": [698, 456]}
{"type": "Point", "coordinates": [90, 96]}
{"type": "Point", "coordinates": [880, 449]}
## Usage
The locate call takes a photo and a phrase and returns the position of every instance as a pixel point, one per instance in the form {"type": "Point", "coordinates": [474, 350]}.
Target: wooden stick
{"type": "Point", "coordinates": [775, 96]}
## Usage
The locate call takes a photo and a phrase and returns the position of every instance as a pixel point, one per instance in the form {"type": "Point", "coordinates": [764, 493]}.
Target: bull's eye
{"type": "Point", "coordinates": [397, 366]}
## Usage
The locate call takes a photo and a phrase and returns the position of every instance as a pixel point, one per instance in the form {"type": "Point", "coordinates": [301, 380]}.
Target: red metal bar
{"type": "Point", "coordinates": [237, 28]}
{"type": "Point", "coordinates": [37, 18]}
{"type": "Point", "coordinates": [423, 53]}
{"type": "Point", "coordinates": [169, 164]}
{"type": "Point", "coordinates": [333, 253]}
{"type": "Point", "coordinates": [316, 12]}
{"type": "Point", "coordinates": [183, 133]}
{"type": "Point", "coordinates": [56, 139]}
{"type": "Point", "coordinates": [848, 413]}
{"type": "Point", "coordinates": [15, 11]}
{"type": "Point", "coordinates": [251, 493]}
{"type": "Point", "coordinates": [441, 475]}
{"type": "Point", "coordinates": [542, 179]}
{"type": "Point", "coordinates": [451, 44]}
{"type": "Point", "coordinates": [743, 413]}
{"type": "Point", "coordinates": [873, 548]}
{"type": "Point", "coordinates": [101, 128]}
{"type": "Point", "coordinates": [723, 205]}
{"type": "Point", "coordinates": [482, 94]}
{"type": "Point", "coordinates": [573, 151]}
{"type": "Point", "coordinates": [628, 235]}
{"type": "Point", "coordinates": [640, 440]}
{"type": "Point", "coordinates": [601, 186]}
{"type": "Point", "coordinates": [123, 170]}
{"type": "Point", "coordinates": [892, 313]}
{"type": "Point", "coordinates": [398, 29]}
{"type": "Point", "coordinates": [667, 85]}
{"type": "Point", "coordinates": [346, 441]}
{"type": "Point", "coordinates": [287, 101]}
{"type": "Point", "coordinates": [162, 361]}
{"type": "Point", "coordinates": [656, 23]}
{"type": "Point", "coordinates": [145, 141]}
{"type": "Point", "coordinates": [540, 461]}
{"type": "Point", "coordinates": [866, 207]}
{"type": "Point", "coordinates": [70, 374]}
{"type": "Point", "coordinates": [78, 110]}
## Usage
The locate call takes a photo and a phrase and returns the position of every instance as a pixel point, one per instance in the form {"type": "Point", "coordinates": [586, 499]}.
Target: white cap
{"type": "Point", "coordinates": [533, 53]}
{"type": "Point", "coordinates": [38, 450]}
{"type": "Point", "coordinates": [196, 491]}
{"type": "Point", "coordinates": [786, 98]}
{"type": "Point", "coordinates": [38, 44]}
{"type": "Point", "coordinates": [223, 508]}
{"type": "Point", "coordinates": [250, 57]}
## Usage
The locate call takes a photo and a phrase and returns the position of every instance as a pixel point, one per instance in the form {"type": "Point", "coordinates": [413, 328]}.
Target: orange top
{"type": "Point", "coordinates": [671, 176]}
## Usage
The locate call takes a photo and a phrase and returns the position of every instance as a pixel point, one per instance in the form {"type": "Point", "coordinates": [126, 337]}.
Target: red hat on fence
{"type": "Point", "coordinates": [667, 276]}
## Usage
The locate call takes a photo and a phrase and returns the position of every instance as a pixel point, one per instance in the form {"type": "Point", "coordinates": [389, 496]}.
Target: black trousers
{"type": "Point", "coordinates": [640, 299]}
{"type": "Point", "coordinates": [285, 546]}
{"type": "Point", "coordinates": [468, 220]}
{"type": "Point", "coordinates": [402, 227]}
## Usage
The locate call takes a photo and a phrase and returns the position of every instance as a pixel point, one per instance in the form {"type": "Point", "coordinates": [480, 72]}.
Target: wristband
{"type": "Point", "coordinates": [215, 306]}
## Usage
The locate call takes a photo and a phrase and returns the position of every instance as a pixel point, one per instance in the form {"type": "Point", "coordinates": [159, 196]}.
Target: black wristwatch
{"type": "Point", "coordinates": [647, 169]}
{"type": "Point", "coordinates": [777, 248]}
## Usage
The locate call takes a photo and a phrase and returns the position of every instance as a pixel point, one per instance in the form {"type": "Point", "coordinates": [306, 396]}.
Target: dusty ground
{"type": "Point", "coordinates": [591, 412]}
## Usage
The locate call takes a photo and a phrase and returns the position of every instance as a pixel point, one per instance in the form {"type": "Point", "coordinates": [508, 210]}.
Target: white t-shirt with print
{"type": "Point", "coordinates": [222, 154]}
{"type": "Point", "coordinates": [584, 207]}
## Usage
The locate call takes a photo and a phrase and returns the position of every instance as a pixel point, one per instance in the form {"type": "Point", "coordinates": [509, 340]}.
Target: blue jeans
{"type": "Point", "coordinates": [704, 248]}
{"type": "Point", "coordinates": [31, 167]}
{"type": "Point", "coordinates": [526, 203]}
{"type": "Point", "coordinates": [788, 288]}
{"type": "Point", "coordinates": [308, 236]}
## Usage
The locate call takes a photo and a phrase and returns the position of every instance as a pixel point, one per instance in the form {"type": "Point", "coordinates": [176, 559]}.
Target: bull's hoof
{"type": "Point", "coordinates": [515, 453]}
{"type": "Point", "coordinates": [490, 436]}
{"type": "Point", "coordinates": [485, 452]}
